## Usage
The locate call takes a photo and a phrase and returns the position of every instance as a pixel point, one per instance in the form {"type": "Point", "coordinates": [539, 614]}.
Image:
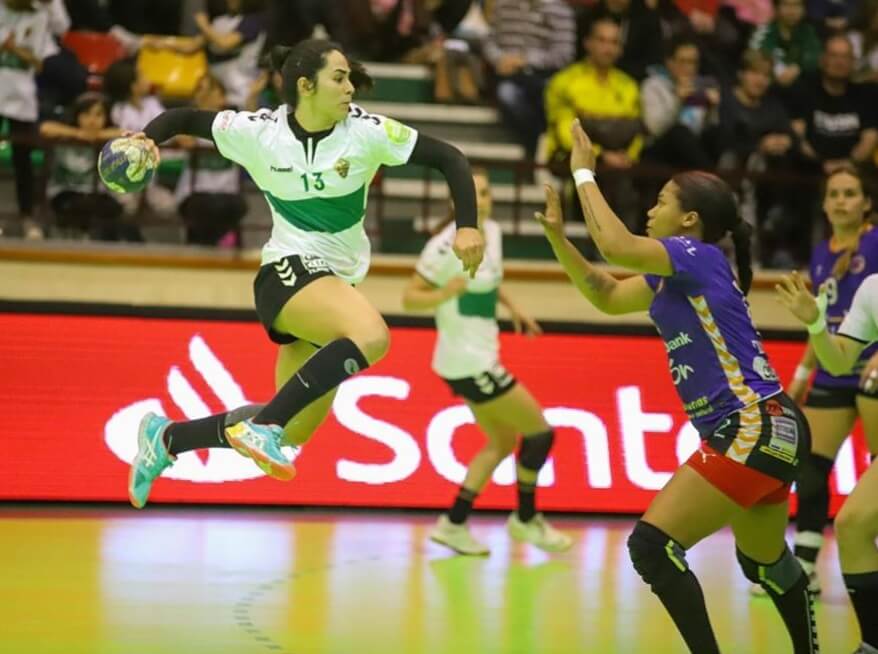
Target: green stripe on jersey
{"type": "Point", "coordinates": [479, 305]}
{"type": "Point", "coordinates": [322, 214]}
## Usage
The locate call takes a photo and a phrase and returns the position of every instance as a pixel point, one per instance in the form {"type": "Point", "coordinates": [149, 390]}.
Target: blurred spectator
{"type": "Point", "coordinates": [209, 190]}
{"type": "Point", "coordinates": [834, 117]}
{"type": "Point", "coordinates": [607, 101]}
{"type": "Point", "coordinates": [130, 94]}
{"type": "Point", "coordinates": [62, 78]}
{"type": "Point", "coordinates": [832, 16]}
{"type": "Point", "coordinates": [751, 12]}
{"type": "Point", "coordinates": [720, 34]}
{"type": "Point", "coordinates": [790, 41]}
{"type": "Point", "coordinates": [265, 94]}
{"type": "Point", "coordinates": [232, 42]}
{"type": "Point", "coordinates": [756, 135]}
{"type": "Point", "coordinates": [147, 16]}
{"type": "Point", "coordinates": [132, 107]}
{"type": "Point", "coordinates": [641, 32]}
{"type": "Point", "coordinates": [864, 38]}
{"type": "Point", "coordinates": [678, 107]}
{"type": "Point", "coordinates": [84, 207]}
{"type": "Point", "coordinates": [25, 41]}
{"type": "Point", "coordinates": [528, 43]}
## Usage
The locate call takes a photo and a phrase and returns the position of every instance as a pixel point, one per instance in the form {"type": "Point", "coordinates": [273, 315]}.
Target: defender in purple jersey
{"type": "Point", "coordinates": [838, 265]}
{"type": "Point", "coordinates": [753, 436]}
{"type": "Point", "coordinates": [856, 525]}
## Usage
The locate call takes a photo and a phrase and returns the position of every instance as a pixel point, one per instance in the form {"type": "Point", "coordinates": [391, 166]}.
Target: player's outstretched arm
{"type": "Point", "coordinates": [617, 245]}
{"type": "Point", "coordinates": [604, 291]}
{"type": "Point", "coordinates": [182, 120]}
{"type": "Point", "coordinates": [837, 354]}
{"type": "Point", "coordinates": [469, 244]}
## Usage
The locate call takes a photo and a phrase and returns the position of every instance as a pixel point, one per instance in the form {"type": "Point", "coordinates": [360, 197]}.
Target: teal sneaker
{"type": "Point", "coordinates": [152, 458]}
{"type": "Point", "coordinates": [262, 444]}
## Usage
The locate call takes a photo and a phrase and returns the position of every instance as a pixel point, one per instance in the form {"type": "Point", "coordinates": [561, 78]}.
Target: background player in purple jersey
{"type": "Point", "coordinates": [839, 265]}
{"type": "Point", "coordinates": [753, 436]}
{"type": "Point", "coordinates": [856, 525]}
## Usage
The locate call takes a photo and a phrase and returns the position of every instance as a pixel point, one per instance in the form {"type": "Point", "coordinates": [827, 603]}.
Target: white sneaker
{"type": "Point", "coordinates": [32, 231]}
{"type": "Point", "coordinates": [457, 537]}
{"type": "Point", "coordinates": [538, 532]}
{"type": "Point", "coordinates": [866, 648]}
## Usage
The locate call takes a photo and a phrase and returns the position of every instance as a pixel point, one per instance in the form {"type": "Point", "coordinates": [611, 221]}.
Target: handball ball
{"type": "Point", "coordinates": [126, 165]}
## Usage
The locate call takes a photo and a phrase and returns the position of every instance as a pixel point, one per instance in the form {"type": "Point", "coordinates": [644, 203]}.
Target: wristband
{"type": "Point", "coordinates": [583, 175]}
{"type": "Point", "coordinates": [802, 373]}
{"type": "Point", "coordinates": [819, 324]}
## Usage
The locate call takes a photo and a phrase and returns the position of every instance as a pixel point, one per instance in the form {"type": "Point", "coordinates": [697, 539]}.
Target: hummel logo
{"type": "Point", "coordinates": [285, 272]}
{"type": "Point", "coordinates": [120, 432]}
{"type": "Point", "coordinates": [275, 169]}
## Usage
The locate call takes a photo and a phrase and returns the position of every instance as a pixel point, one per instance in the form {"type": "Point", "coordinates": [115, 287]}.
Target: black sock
{"type": "Point", "coordinates": [526, 500]}
{"type": "Point", "coordinates": [812, 488]}
{"type": "Point", "coordinates": [796, 608]}
{"type": "Point", "coordinates": [462, 506]}
{"type": "Point", "coordinates": [327, 368]}
{"type": "Point", "coordinates": [863, 591]}
{"type": "Point", "coordinates": [684, 601]}
{"type": "Point", "coordinates": [205, 432]}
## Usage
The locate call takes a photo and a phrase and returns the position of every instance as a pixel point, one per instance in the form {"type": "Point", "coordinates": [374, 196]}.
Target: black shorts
{"type": "Point", "coordinates": [485, 386]}
{"type": "Point", "coordinates": [835, 397]}
{"type": "Point", "coordinates": [775, 442]}
{"type": "Point", "coordinates": [277, 282]}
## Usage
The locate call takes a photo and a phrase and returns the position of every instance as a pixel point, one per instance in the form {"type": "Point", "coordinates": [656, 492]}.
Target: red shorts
{"type": "Point", "coordinates": [743, 485]}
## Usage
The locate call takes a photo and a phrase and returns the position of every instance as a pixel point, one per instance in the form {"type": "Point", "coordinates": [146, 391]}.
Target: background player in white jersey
{"type": "Point", "coordinates": [313, 158]}
{"type": "Point", "coordinates": [467, 357]}
{"type": "Point", "coordinates": [856, 525]}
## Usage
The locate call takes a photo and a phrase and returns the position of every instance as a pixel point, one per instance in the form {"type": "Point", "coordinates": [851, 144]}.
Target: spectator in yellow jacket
{"type": "Point", "coordinates": [605, 99]}
{"type": "Point", "coordinates": [607, 102]}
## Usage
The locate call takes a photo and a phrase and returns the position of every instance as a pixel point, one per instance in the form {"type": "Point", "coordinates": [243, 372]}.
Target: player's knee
{"type": "Point", "coordinates": [657, 557]}
{"type": "Point", "coordinates": [373, 340]}
{"type": "Point", "coordinates": [496, 452]}
{"type": "Point", "coordinates": [777, 577]}
{"type": "Point", "coordinates": [857, 521]}
{"type": "Point", "coordinates": [535, 450]}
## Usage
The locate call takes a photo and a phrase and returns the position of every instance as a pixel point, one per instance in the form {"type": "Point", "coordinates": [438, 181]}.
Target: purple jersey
{"type": "Point", "coordinates": [840, 294]}
{"type": "Point", "coordinates": [715, 353]}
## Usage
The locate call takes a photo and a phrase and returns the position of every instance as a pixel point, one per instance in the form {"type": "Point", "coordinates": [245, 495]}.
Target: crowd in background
{"type": "Point", "coordinates": [772, 94]}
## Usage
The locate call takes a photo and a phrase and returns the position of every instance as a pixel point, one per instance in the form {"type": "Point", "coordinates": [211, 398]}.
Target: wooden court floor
{"type": "Point", "coordinates": [115, 581]}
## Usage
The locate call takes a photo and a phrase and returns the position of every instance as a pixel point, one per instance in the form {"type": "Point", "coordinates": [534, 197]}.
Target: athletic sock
{"type": "Point", "coordinates": [324, 370]}
{"type": "Point", "coordinates": [463, 505]}
{"type": "Point", "coordinates": [863, 591]}
{"type": "Point", "coordinates": [205, 432]}
{"type": "Point", "coordinates": [526, 500]}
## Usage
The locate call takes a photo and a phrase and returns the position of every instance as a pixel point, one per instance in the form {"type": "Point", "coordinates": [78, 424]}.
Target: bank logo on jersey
{"type": "Point", "coordinates": [396, 131]}
{"type": "Point", "coordinates": [342, 167]}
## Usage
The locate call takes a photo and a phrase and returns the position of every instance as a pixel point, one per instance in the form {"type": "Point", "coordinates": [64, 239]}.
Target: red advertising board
{"type": "Point", "coordinates": [73, 388]}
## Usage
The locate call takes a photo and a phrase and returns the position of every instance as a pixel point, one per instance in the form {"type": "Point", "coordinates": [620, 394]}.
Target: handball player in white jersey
{"type": "Point", "coordinates": [313, 158]}
{"type": "Point", "coordinates": [856, 525]}
{"type": "Point", "coordinates": [467, 358]}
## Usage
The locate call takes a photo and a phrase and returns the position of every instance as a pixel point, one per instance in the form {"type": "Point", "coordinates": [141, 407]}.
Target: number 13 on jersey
{"type": "Point", "coordinates": [317, 183]}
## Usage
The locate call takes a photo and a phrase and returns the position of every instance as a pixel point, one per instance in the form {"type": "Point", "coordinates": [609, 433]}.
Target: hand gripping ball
{"type": "Point", "coordinates": [126, 165]}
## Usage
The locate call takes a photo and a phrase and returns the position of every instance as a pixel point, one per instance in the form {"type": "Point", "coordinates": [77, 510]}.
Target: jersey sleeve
{"type": "Point", "coordinates": [437, 263]}
{"type": "Point", "coordinates": [861, 321]}
{"type": "Point", "coordinates": [236, 134]}
{"type": "Point", "coordinates": [389, 142]}
{"type": "Point", "coordinates": [689, 259]}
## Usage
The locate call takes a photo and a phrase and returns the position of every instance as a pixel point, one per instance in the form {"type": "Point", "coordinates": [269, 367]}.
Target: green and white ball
{"type": "Point", "coordinates": [126, 165]}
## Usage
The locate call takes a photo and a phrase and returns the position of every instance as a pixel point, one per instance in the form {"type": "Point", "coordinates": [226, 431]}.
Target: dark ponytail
{"type": "Point", "coordinates": [305, 59]}
{"type": "Point", "coordinates": [742, 237]}
{"type": "Point", "coordinates": [712, 199]}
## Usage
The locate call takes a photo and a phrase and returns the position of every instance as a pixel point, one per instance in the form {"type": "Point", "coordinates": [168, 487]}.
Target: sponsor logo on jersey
{"type": "Point", "coordinates": [764, 369]}
{"type": "Point", "coordinates": [681, 340]}
{"type": "Point", "coordinates": [680, 371]}
{"type": "Point", "coordinates": [275, 169]}
{"type": "Point", "coordinates": [396, 131]}
{"type": "Point", "coordinates": [342, 167]}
